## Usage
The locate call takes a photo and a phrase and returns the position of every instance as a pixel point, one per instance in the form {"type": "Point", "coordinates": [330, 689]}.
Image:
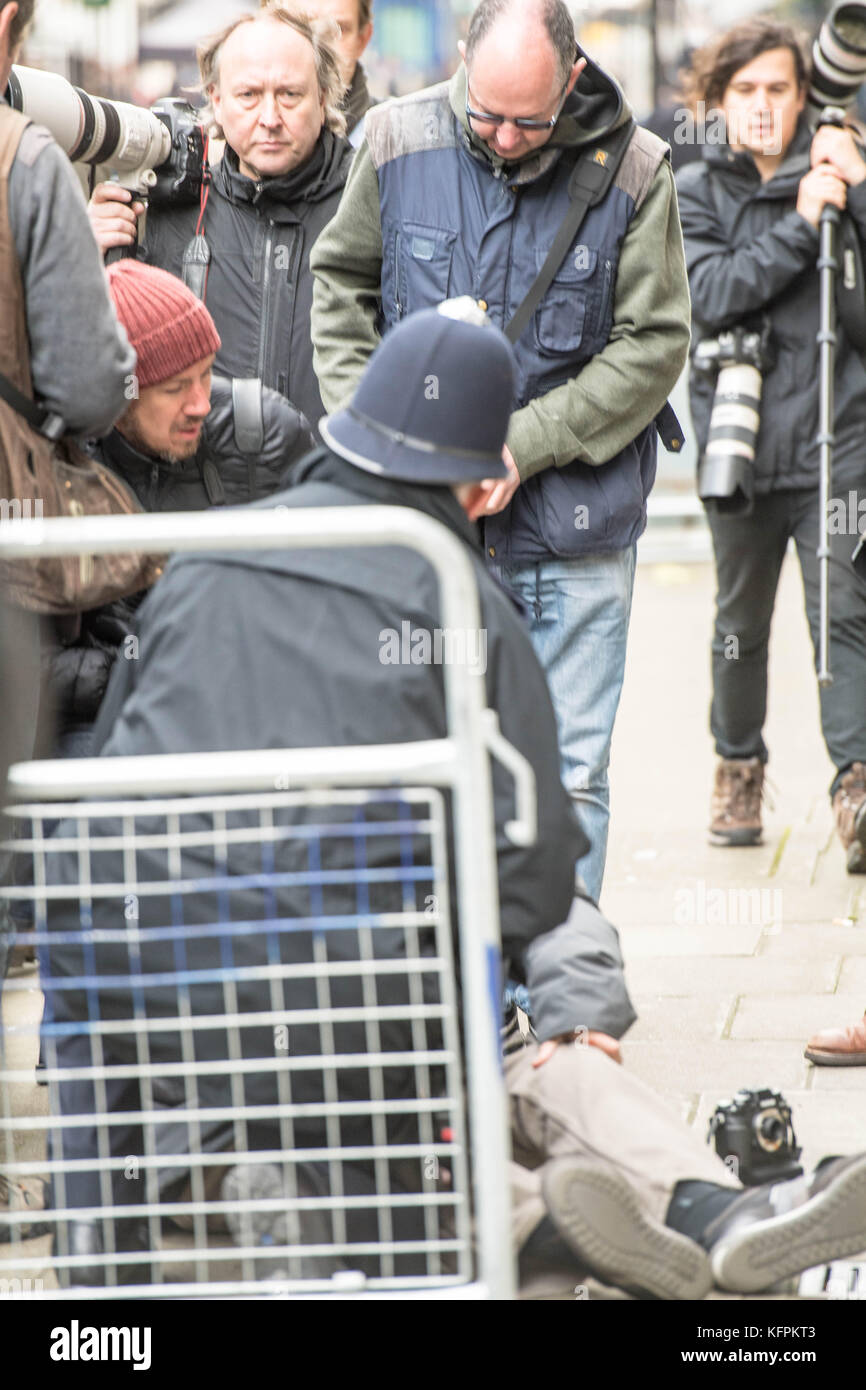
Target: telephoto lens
{"type": "Point", "coordinates": [838, 59]}
{"type": "Point", "coordinates": [727, 466]}
{"type": "Point", "coordinates": [92, 130]}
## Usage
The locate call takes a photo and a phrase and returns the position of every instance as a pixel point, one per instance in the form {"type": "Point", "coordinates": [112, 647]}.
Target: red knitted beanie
{"type": "Point", "coordinates": [165, 323]}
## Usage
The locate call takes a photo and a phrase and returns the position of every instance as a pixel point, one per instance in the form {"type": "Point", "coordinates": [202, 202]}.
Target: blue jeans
{"type": "Point", "coordinates": [580, 612]}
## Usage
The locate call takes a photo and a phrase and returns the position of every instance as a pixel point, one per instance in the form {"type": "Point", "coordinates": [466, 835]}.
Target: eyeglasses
{"type": "Point", "coordinates": [522, 122]}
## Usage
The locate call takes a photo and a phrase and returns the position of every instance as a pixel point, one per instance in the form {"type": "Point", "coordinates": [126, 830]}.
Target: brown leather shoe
{"type": "Point", "coordinates": [839, 1047]}
{"type": "Point", "coordinates": [735, 815]}
{"type": "Point", "coordinates": [849, 808]}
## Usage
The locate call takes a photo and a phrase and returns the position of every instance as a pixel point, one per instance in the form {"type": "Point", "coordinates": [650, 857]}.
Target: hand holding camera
{"type": "Point", "coordinates": [836, 146]}
{"type": "Point", "coordinates": [113, 216]}
{"type": "Point", "coordinates": [820, 186]}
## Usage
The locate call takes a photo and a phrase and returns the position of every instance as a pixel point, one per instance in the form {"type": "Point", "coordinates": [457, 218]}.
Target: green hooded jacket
{"type": "Point", "coordinates": [622, 388]}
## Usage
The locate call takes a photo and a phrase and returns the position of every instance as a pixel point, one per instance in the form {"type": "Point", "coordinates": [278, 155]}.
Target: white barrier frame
{"type": "Point", "coordinates": [459, 762]}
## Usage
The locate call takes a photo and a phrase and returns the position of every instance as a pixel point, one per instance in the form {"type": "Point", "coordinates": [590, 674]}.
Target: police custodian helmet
{"type": "Point", "coordinates": [434, 403]}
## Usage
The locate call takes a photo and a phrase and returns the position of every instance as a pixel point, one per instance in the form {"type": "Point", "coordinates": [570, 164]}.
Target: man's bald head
{"type": "Point", "coordinates": [521, 65]}
{"type": "Point", "coordinates": [524, 24]}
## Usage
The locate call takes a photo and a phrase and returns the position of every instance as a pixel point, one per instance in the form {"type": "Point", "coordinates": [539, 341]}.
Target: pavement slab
{"type": "Point", "coordinates": [733, 956]}
{"type": "Point", "coordinates": [852, 977]}
{"type": "Point", "coordinates": [677, 977]}
{"type": "Point", "coordinates": [793, 1016]}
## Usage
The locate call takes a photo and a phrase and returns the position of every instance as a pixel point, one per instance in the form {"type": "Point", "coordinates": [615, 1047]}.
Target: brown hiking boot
{"type": "Point", "coordinates": [849, 808]}
{"type": "Point", "coordinates": [736, 806]}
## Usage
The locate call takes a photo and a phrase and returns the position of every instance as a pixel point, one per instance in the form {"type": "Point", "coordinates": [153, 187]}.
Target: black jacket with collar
{"type": "Point", "coordinates": [78, 654]}
{"type": "Point", "coordinates": [749, 254]}
{"type": "Point", "coordinates": [259, 288]}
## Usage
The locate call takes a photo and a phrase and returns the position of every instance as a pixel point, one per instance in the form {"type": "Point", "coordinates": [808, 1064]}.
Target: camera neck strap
{"type": "Point", "coordinates": [196, 256]}
{"type": "Point", "coordinates": [591, 178]}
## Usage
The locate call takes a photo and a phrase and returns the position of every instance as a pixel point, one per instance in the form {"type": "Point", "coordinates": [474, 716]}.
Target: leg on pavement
{"type": "Point", "coordinates": [749, 551]}
{"type": "Point", "coordinates": [843, 704]}
{"type": "Point", "coordinates": [581, 1104]}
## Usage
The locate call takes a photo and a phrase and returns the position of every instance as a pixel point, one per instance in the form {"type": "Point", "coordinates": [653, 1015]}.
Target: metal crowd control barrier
{"type": "Point", "coordinates": [225, 1045]}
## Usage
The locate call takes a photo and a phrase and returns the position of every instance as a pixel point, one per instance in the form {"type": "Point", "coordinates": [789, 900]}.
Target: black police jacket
{"type": "Point", "coordinates": [293, 642]}
{"type": "Point", "coordinates": [259, 287]}
{"type": "Point", "coordinates": [750, 253]}
{"type": "Point", "coordinates": [78, 653]}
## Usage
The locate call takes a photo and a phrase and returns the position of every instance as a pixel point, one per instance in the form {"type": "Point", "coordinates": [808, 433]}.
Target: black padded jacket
{"type": "Point", "coordinates": [749, 253]}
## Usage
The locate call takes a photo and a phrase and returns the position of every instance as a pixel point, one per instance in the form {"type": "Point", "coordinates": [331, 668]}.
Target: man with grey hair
{"type": "Point", "coordinates": [463, 188]}
{"type": "Point", "coordinates": [274, 87]}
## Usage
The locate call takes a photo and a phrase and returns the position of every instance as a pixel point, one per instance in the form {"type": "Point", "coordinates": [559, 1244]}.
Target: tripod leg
{"type": "Point", "coordinates": [826, 422]}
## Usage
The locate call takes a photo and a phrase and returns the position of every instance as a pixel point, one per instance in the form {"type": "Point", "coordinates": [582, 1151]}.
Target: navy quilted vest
{"type": "Point", "coordinates": [451, 226]}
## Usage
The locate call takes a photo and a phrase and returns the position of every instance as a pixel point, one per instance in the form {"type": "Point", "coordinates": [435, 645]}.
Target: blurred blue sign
{"type": "Point", "coordinates": [416, 32]}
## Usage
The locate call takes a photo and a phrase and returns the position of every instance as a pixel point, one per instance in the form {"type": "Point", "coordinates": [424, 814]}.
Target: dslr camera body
{"type": "Point", "coordinates": [179, 178]}
{"type": "Point", "coordinates": [755, 1129]}
{"type": "Point", "coordinates": [737, 359]}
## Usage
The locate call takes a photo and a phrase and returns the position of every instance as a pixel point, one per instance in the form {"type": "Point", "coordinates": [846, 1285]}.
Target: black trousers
{"type": "Point", "coordinates": [749, 551]}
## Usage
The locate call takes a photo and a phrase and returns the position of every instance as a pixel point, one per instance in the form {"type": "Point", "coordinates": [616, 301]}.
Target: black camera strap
{"type": "Point", "coordinates": [45, 422]}
{"type": "Point", "coordinates": [196, 256]}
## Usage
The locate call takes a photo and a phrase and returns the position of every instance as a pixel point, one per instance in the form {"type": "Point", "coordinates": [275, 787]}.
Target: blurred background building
{"type": "Point", "coordinates": [142, 49]}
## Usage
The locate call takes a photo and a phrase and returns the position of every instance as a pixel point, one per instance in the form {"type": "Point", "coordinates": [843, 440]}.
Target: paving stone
{"type": "Point", "coordinates": [851, 1080]}
{"type": "Point", "coordinates": [690, 941]}
{"type": "Point", "coordinates": [852, 977]}
{"type": "Point", "coordinates": [793, 1016]}
{"type": "Point", "coordinates": [814, 942]}
{"type": "Point", "coordinates": [725, 1066]}
{"type": "Point", "coordinates": [676, 975]}
{"type": "Point", "coordinates": [663, 1017]}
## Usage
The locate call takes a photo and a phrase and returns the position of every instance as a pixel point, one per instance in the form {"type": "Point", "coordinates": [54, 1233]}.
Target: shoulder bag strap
{"type": "Point", "coordinates": [249, 421]}
{"type": "Point", "coordinates": [45, 422]}
{"type": "Point", "coordinates": [591, 178]}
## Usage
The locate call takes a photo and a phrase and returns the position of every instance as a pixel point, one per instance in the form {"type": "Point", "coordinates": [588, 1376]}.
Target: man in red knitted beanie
{"type": "Point", "coordinates": [175, 341]}
{"type": "Point", "coordinates": [185, 442]}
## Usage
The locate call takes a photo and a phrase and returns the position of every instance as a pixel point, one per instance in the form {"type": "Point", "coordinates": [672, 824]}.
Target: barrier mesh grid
{"type": "Point", "coordinates": [251, 1047]}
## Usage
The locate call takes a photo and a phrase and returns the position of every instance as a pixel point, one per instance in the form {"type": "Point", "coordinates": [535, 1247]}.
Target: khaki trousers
{"type": "Point", "coordinates": [581, 1104]}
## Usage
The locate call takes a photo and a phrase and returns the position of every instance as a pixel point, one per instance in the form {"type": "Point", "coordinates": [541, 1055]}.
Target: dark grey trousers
{"type": "Point", "coordinates": [749, 551]}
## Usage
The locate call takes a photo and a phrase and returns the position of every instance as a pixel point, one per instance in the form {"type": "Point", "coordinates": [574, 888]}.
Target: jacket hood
{"type": "Point", "coordinates": [788, 174]}
{"type": "Point", "coordinates": [596, 107]}
{"type": "Point", "coordinates": [322, 175]}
